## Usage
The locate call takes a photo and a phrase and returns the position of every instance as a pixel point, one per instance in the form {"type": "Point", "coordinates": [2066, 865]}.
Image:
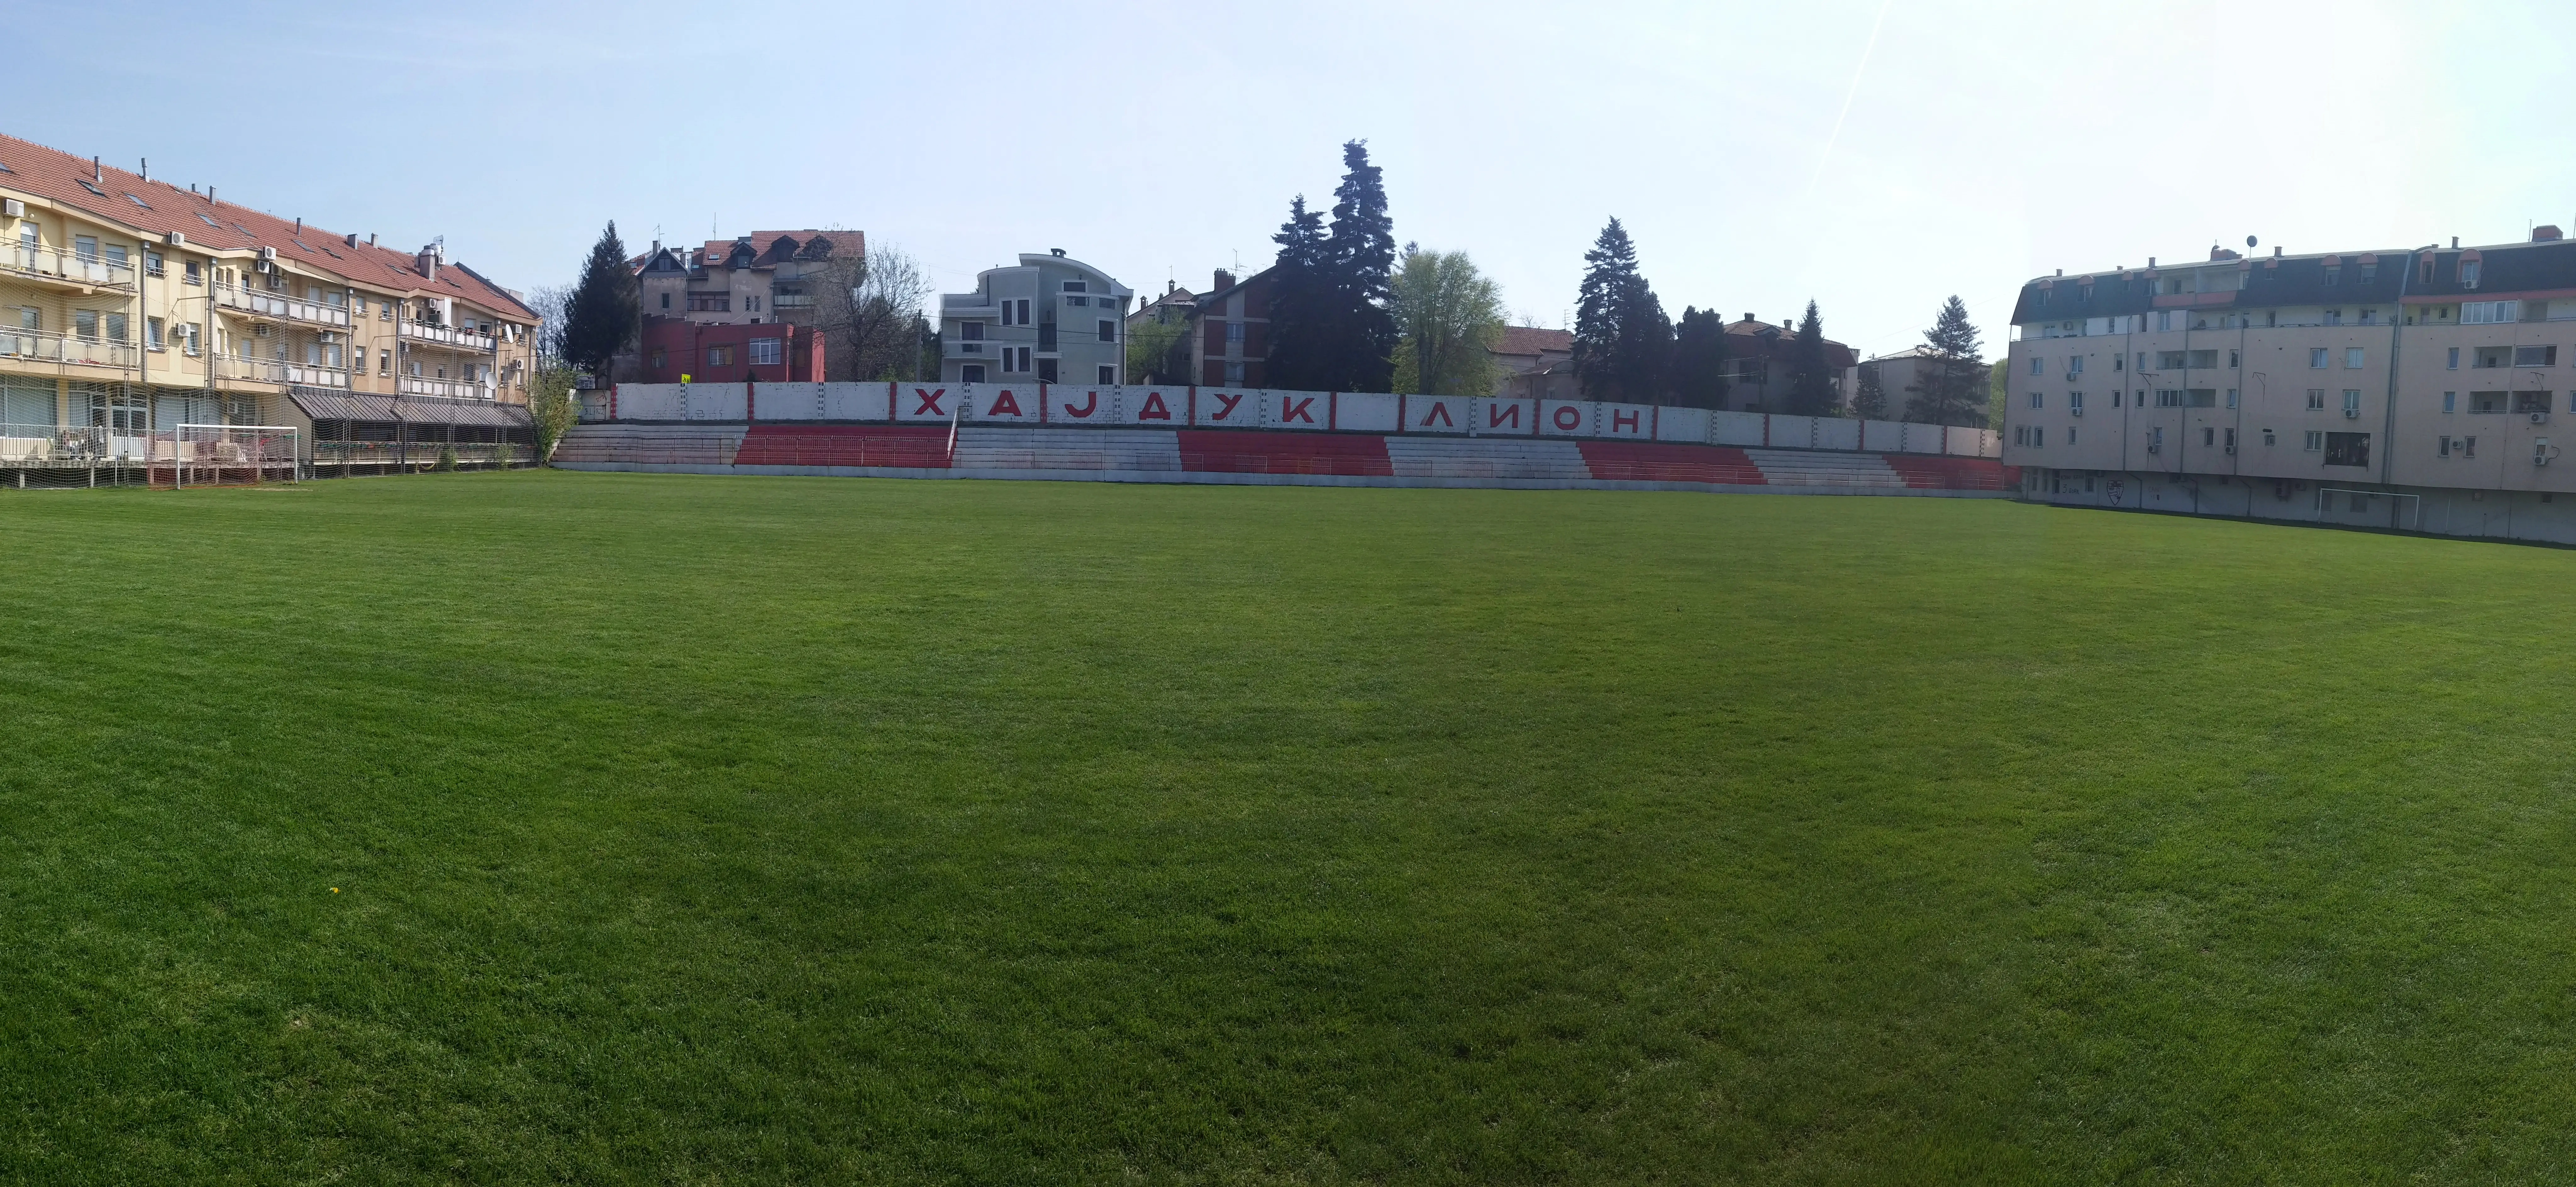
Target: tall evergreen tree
{"type": "Point", "coordinates": [1361, 254]}
{"type": "Point", "coordinates": [1622, 340]}
{"type": "Point", "coordinates": [1301, 304]}
{"type": "Point", "coordinates": [600, 318]}
{"type": "Point", "coordinates": [1870, 402]}
{"type": "Point", "coordinates": [1950, 384]}
{"type": "Point", "coordinates": [1698, 375]}
{"type": "Point", "coordinates": [1811, 377]}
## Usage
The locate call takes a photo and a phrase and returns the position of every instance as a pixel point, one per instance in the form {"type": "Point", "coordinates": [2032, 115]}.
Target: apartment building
{"type": "Point", "coordinates": [1048, 320]}
{"type": "Point", "coordinates": [764, 278]}
{"type": "Point", "coordinates": [1230, 335]}
{"type": "Point", "coordinates": [130, 305]}
{"type": "Point", "coordinates": [2411, 388]}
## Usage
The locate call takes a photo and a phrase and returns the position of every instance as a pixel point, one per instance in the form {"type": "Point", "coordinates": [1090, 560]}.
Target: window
{"type": "Point", "coordinates": [661, 359]}
{"type": "Point", "coordinates": [27, 235]}
{"type": "Point", "coordinates": [1071, 300]}
{"type": "Point", "coordinates": [2485, 313]}
{"type": "Point", "coordinates": [2528, 402]}
{"type": "Point", "coordinates": [2347, 449]}
{"type": "Point", "coordinates": [2232, 361]}
{"type": "Point", "coordinates": [85, 323]}
{"type": "Point", "coordinates": [2169, 397]}
{"type": "Point", "coordinates": [385, 362]}
{"type": "Point", "coordinates": [971, 373]}
{"type": "Point", "coordinates": [2486, 402]}
{"type": "Point", "coordinates": [2351, 402]}
{"type": "Point", "coordinates": [2070, 434]}
{"type": "Point", "coordinates": [719, 356]}
{"type": "Point", "coordinates": [2316, 440]}
{"type": "Point", "coordinates": [1015, 313]}
{"type": "Point", "coordinates": [710, 303]}
{"type": "Point", "coordinates": [2352, 358]}
{"type": "Point", "coordinates": [1108, 375]}
{"type": "Point", "coordinates": [1108, 330]}
{"type": "Point", "coordinates": [666, 300]}
{"type": "Point", "coordinates": [2454, 363]}
{"type": "Point", "coordinates": [152, 333]}
{"type": "Point", "coordinates": [2074, 364]}
{"type": "Point", "coordinates": [1077, 286]}
{"type": "Point", "coordinates": [1015, 359]}
{"type": "Point", "coordinates": [192, 273]}
{"type": "Point", "coordinates": [750, 304]}
{"type": "Point", "coordinates": [2334, 317]}
{"type": "Point", "coordinates": [2231, 440]}
{"type": "Point", "coordinates": [2075, 401]}
{"type": "Point", "coordinates": [2208, 436]}
{"type": "Point", "coordinates": [2118, 359]}
{"type": "Point", "coordinates": [31, 318]}
{"type": "Point", "coordinates": [2450, 401]}
{"type": "Point", "coordinates": [2316, 358]}
{"type": "Point", "coordinates": [2231, 397]}
{"type": "Point", "coordinates": [1046, 370]}
{"type": "Point", "coordinates": [2316, 399]}
{"type": "Point", "coordinates": [2202, 397]}
{"type": "Point", "coordinates": [2444, 450]}
{"type": "Point", "coordinates": [2204, 359]}
{"type": "Point", "coordinates": [2334, 274]}
{"type": "Point", "coordinates": [152, 264]}
{"type": "Point", "coordinates": [1234, 331]}
{"type": "Point", "coordinates": [2468, 277]}
{"type": "Point", "coordinates": [188, 335]}
{"type": "Point", "coordinates": [2370, 317]}
{"type": "Point", "coordinates": [2268, 442]}
{"type": "Point", "coordinates": [85, 246]}
{"type": "Point", "coordinates": [2037, 400]}
{"type": "Point", "coordinates": [972, 331]}
{"type": "Point", "coordinates": [2491, 356]}
{"type": "Point", "coordinates": [1234, 374]}
{"type": "Point", "coordinates": [2038, 365]}
{"type": "Point", "coordinates": [2535, 356]}
{"type": "Point", "coordinates": [119, 412]}
{"type": "Point", "coordinates": [2164, 319]}
{"type": "Point", "coordinates": [2468, 447]}
{"type": "Point", "coordinates": [2172, 360]}
{"type": "Point", "coordinates": [765, 352]}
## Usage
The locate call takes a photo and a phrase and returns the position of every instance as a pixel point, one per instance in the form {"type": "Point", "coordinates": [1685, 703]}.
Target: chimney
{"type": "Point", "coordinates": [1748, 316]}
{"type": "Point", "coordinates": [371, 239]}
{"type": "Point", "coordinates": [1057, 252]}
{"type": "Point", "coordinates": [2276, 251]}
{"type": "Point", "coordinates": [427, 262]}
{"type": "Point", "coordinates": [2455, 243]}
{"type": "Point", "coordinates": [94, 174]}
{"type": "Point", "coordinates": [1224, 280]}
{"type": "Point", "coordinates": [351, 239]}
{"type": "Point", "coordinates": [2151, 261]}
{"type": "Point", "coordinates": [2546, 233]}
{"type": "Point", "coordinates": [299, 224]}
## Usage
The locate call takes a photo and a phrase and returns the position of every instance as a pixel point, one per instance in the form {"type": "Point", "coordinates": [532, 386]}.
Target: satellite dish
{"type": "Point", "coordinates": [2249, 243]}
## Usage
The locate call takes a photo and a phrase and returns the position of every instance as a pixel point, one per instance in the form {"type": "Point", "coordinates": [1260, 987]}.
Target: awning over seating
{"type": "Point", "coordinates": [324, 404]}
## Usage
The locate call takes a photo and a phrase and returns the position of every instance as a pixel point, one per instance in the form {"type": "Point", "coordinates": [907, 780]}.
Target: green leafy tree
{"type": "Point", "coordinates": [1811, 379]}
{"type": "Point", "coordinates": [1950, 383]}
{"type": "Point", "coordinates": [1870, 402]}
{"type": "Point", "coordinates": [1158, 351]}
{"type": "Point", "coordinates": [552, 407]}
{"type": "Point", "coordinates": [1698, 373]}
{"type": "Point", "coordinates": [600, 318]}
{"type": "Point", "coordinates": [1995, 391]}
{"type": "Point", "coordinates": [1450, 317]}
{"type": "Point", "coordinates": [1622, 340]}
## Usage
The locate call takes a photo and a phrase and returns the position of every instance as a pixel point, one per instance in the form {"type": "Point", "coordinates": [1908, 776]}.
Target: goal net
{"type": "Point", "coordinates": [225, 455]}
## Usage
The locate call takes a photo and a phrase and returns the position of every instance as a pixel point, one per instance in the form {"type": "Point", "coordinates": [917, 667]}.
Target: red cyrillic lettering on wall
{"type": "Point", "coordinates": [1618, 418]}
{"type": "Point", "coordinates": [1295, 409]}
{"type": "Point", "coordinates": [1498, 415]}
{"type": "Point", "coordinates": [1567, 418]}
{"type": "Point", "coordinates": [930, 402]}
{"type": "Point", "coordinates": [1154, 408]}
{"type": "Point", "coordinates": [1440, 412]}
{"type": "Point", "coordinates": [1228, 401]}
{"type": "Point", "coordinates": [1090, 404]}
{"type": "Point", "coordinates": [1004, 405]}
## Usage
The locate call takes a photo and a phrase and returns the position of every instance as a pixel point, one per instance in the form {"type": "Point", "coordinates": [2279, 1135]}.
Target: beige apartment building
{"type": "Point", "coordinates": [130, 306]}
{"type": "Point", "coordinates": [2429, 389]}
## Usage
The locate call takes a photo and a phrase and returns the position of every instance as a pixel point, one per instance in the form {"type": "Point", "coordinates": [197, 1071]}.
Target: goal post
{"type": "Point", "coordinates": [229, 455]}
{"type": "Point", "coordinates": [2403, 510]}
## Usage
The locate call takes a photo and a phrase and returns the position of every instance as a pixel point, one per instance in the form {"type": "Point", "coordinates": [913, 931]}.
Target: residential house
{"type": "Point", "coordinates": [1050, 319]}
{"type": "Point", "coordinates": [764, 278]}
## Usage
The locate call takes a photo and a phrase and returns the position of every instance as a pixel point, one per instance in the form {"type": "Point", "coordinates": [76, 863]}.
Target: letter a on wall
{"type": "Point", "coordinates": [1154, 408]}
{"type": "Point", "coordinates": [1005, 404]}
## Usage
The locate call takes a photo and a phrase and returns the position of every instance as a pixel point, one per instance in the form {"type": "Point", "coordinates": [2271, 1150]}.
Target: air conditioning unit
{"type": "Point", "coordinates": [2231, 449]}
{"type": "Point", "coordinates": [261, 331]}
{"type": "Point", "coordinates": [2352, 414]}
{"type": "Point", "coordinates": [2152, 447]}
{"type": "Point", "coordinates": [2077, 410]}
{"type": "Point", "coordinates": [13, 208]}
{"type": "Point", "coordinates": [268, 253]}
{"type": "Point", "coordinates": [175, 239]}
{"type": "Point", "coordinates": [2540, 459]}
{"type": "Point", "coordinates": [2540, 418]}
{"type": "Point", "coordinates": [263, 264]}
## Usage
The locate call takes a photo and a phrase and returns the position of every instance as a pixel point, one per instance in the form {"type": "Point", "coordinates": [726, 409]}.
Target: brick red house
{"type": "Point", "coordinates": [1230, 342]}
{"type": "Point", "coordinates": [771, 352]}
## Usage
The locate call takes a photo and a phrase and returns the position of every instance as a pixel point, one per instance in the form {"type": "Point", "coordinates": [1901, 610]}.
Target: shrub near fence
{"type": "Point", "coordinates": [1256, 409]}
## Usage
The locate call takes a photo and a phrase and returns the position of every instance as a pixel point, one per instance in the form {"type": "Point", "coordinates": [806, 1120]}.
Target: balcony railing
{"type": "Point", "coordinates": [259, 304]}
{"type": "Point", "coordinates": [282, 371]}
{"type": "Point", "coordinates": [48, 263]}
{"type": "Point", "coordinates": [451, 388]}
{"type": "Point", "coordinates": [416, 453]}
{"type": "Point", "coordinates": [58, 348]}
{"type": "Point", "coordinates": [448, 336]}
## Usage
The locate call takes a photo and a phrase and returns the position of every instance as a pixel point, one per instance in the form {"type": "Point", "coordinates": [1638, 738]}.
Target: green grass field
{"type": "Point", "coordinates": [739, 830]}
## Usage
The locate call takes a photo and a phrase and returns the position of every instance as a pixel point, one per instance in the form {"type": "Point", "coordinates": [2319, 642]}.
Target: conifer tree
{"type": "Point", "coordinates": [1870, 402]}
{"type": "Point", "coordinates": [1950, 383]}
{"type": "Point", "coordinates": [1301, 304]}
{"type": "Point", "coordinates": [1811, 380]}
{"type": "Point", "coordinates": [600, 317]}
{"type": "Point", "coordinates": [1698, 377]}
{"type": "Point", "coordinates": [1360, 251]}
{"type": "Point", "coordinates": [1622, 340]}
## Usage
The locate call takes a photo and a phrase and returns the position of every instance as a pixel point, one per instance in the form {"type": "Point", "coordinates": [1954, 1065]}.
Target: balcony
{"type": "Point", "coordinates": [281, 371]}
{"type": "Point", "coordinates": [52, 266]}
{"type": "Point", "coordinates": [454, 389]}
{"type": "Point", "coordinates": [418, 453]}
{"type": "Point", "coordinates": [421, 333]}
{"type": "Point", "coordinates": [28, 345]}
{"type": "Point", "coordinates": [261, 306]}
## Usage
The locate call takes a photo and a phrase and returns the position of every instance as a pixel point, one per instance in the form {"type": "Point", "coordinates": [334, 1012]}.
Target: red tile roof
{"type": "Point", "coordinates": [158, 208]}
{"type": "Point", "coordinates": [1532, 340]}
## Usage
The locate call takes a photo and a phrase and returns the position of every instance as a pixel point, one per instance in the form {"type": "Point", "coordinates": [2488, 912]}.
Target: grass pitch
{"type": "Point", "coordinates": [591, 828]}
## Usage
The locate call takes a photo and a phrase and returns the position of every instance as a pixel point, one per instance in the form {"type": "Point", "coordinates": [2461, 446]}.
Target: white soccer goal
{"type": "Point", "coordinates": [2349, 505]}
{"type": "Point", "coordinates": [227, 455]}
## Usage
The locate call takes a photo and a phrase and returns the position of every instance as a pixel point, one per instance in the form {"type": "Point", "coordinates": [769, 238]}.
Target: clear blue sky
{"type": "Point", "coordinates": [1983, 144]}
